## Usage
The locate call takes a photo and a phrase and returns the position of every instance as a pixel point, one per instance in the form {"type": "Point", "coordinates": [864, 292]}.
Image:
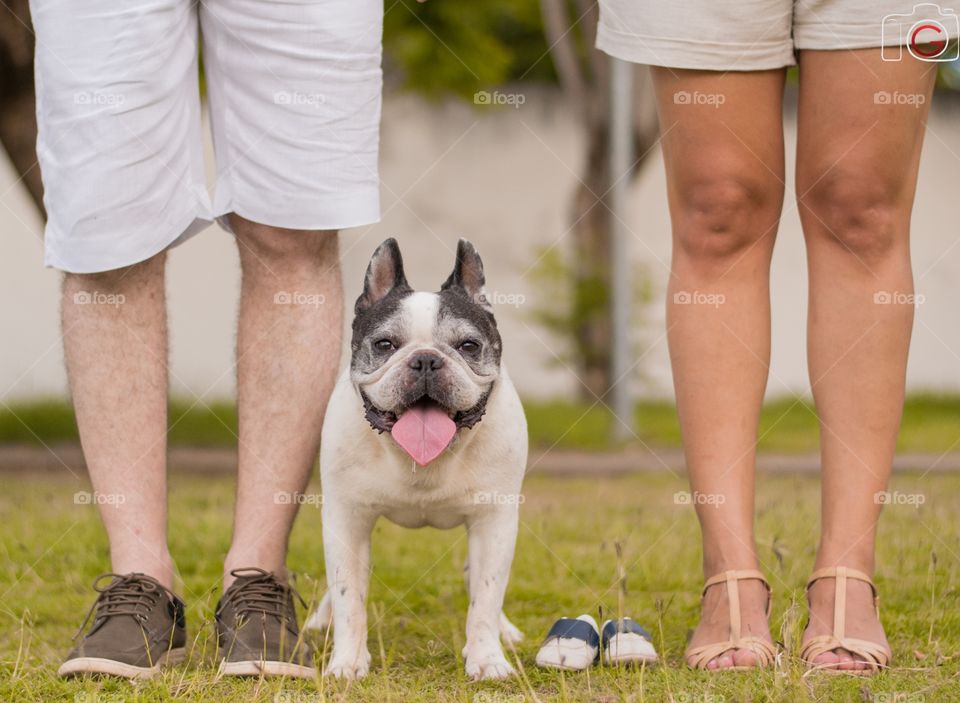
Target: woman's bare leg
{"type": "Point", "coordinates": [861, 126]}
{"type": "Point", "coordinates": [723, 149]}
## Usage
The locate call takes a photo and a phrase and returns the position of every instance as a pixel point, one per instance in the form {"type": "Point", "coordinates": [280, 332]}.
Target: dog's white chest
{"type": "Point", "coordinates": [426, 516]}
{"type": "Point", "coordinates": [442, 495]}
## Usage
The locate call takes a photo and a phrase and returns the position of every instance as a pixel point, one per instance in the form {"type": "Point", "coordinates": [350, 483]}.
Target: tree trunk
{"type": "Point", "coordinates": [592, 225]}
{"type": "Point", "coordinates": [591, 267]}
{"type": "Point", "coordinates": [18, 120]}
{"type": "Point", "coordinates": [585, 79]}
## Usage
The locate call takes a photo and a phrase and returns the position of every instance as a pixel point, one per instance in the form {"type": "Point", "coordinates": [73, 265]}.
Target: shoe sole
{"type": "Point", "coordinates": [629, 649]}
{"type": "Point", "coordinates": [265, 668]}
{"type": "Point", "coordinates": [630, 659]}
{"type": "Point", "coordinates": [110, 667]}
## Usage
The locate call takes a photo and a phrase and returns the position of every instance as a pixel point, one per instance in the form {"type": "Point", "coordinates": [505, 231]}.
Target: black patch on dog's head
{"type": "Point", "coordinates": [462, 296]}
{"type": "Point", "coordinates": [384, 287]}
{"type": "Point", "coordinates": [384, 276]}
{"type": "Point", "coordinates": [456, 305]}
{"type": "Point", "coordinates": [467, 275]}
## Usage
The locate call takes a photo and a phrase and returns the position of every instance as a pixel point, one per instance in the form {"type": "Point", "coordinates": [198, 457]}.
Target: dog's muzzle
{"type": "Point", "coordinates": [384, 420]}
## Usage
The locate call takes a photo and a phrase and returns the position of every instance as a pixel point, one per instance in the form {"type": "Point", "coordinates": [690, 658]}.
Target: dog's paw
{"type": "Point", "coordinates": [348, 667]}
{"type": "Point", "coordinates": [509, 633]}
{"type": "Point", "coordinates": [322, 617]}
{"type": "Point", "coordinates": [488, 666]}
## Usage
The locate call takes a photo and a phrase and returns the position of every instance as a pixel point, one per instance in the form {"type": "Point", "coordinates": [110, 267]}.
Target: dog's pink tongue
{"type": "Point", "coordinates": [423, 432]}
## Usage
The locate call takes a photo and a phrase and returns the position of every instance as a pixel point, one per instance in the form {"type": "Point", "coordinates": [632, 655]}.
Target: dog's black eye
{"type": "Point", "coordinates": [469, 346]}
{"type": "Point", "coordinates": [384, 345]}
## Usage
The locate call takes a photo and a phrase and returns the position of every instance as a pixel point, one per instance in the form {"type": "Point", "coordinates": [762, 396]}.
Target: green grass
{"type": "Point", "coordinates": [52, 549]}
{"type": "Point", "coordinates": [931, 423]}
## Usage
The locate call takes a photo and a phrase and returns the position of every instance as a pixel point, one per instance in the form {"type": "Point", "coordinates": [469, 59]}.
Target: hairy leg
{"type": "Point", "coordinates": [288, 352]}
{"type": "Point", "coordinates": [115, 345]}
{"type": "Point", "coordinates": [723, 150]}
{"type": "Point", "coordinates": [857, 162]}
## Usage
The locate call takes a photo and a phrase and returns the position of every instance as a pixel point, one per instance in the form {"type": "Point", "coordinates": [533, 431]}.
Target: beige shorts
{"type": "Point", "coordinates": [754, 35]}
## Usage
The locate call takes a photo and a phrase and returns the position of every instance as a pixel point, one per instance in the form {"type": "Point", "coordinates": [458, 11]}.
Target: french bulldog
{"type": "Point", "coordinates": [425, 429]}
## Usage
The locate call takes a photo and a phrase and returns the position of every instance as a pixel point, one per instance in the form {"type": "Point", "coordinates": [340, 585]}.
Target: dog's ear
{"type": "Point", "coordinates": [384, 274]}
{"type": "Point", "coordinates": [467, 275]}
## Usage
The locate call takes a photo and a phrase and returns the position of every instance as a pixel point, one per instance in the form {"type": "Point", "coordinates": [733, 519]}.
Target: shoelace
{"type": "Point", "coordinates": [126, 594]}
{"type": "Point", "coordinates": [260, 591]}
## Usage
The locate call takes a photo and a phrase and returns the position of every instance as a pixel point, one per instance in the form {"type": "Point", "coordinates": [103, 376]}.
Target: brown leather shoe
{"type": "Point", "coordinates": [138, 626]}
{"type": "Point", "coordinates": [257, 630]}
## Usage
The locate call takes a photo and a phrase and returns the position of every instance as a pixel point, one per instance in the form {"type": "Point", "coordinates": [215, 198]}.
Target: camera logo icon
{"type": "Point", "coordinates": [926, 32]}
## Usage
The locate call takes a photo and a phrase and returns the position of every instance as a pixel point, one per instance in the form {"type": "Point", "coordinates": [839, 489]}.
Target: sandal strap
{"type": "Point", "coordinates": [698, 657]}
{"type": "Point", "coordinates": [838, 572]}
{"type": "Point", "coordinates": [874, 654]}
{"type": "Point", "coordinates": [731, 578]}
{"type": "Point", "coordinates": [841, 574]}
{"type": "Point", "coordinates": [734, 575]}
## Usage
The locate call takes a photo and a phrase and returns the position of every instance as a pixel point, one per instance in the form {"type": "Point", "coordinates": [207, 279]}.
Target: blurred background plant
{"type": "Point", "coordinates": [511, 41]}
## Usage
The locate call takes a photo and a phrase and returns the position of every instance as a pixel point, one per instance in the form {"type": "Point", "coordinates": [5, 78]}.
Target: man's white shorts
{"type": "Point", "coordinates": [294, 91]}
{"type": "Point", "coordinates": [756, 35]}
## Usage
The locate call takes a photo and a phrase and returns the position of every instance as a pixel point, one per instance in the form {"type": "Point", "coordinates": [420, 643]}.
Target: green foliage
{"type": "Point", "coordinates": [555, 308]}
{"type": "Point", "coordinates": [567, 301]}
{"type": "Point", "coordinates": [450, 46]}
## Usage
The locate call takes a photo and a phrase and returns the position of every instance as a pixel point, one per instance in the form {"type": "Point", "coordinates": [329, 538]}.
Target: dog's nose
{"type": "Point", "coordinates": [425, 362]}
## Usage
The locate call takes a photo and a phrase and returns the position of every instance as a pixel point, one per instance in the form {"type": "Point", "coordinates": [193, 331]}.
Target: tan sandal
{"type": "Point", "coordinates": [875, 655]}
{"type": "Point", "coordinates": [766, 653]}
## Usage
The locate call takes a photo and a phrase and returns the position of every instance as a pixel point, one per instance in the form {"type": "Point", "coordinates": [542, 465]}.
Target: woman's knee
{"type": "Point", "coordinates": [717, 217]}
{"type": "Point", "coordinates": [858, 210]}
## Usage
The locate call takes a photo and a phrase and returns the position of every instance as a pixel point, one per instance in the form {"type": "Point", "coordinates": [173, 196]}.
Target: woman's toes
{"type": "Point", "coordinates": [745, 657]}
{"type": "Point", "coordinates": [842, 660]}
{"type": "Point", "coordinates": [725, 661]}
{"type": "Point", "coordinates": [827, 660]}
{"type": "Point", "coordinates": [846, 661]}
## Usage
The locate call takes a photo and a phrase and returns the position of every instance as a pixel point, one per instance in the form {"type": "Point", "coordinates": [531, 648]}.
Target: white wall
{"type": "Point", "coordinates": [502, 178]}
